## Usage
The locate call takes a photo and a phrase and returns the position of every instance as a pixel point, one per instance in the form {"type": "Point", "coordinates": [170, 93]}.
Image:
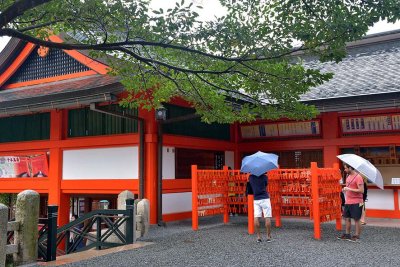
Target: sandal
{"type": "Point", "coordinates": [363, 223]}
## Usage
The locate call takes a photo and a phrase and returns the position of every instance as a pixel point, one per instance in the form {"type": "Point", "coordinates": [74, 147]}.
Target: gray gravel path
{"type": "Point", "coordinates": [216, 244]}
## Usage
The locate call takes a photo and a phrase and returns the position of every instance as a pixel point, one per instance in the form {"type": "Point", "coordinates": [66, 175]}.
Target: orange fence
{"type": "Point", "coordinates": [313, 193]}
{"type": "Point", "coordinates": [217, 192]}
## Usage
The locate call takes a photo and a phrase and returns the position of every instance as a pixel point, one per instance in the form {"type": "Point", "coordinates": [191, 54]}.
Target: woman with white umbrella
{"type": "Point", "coordinates": [353, 206]}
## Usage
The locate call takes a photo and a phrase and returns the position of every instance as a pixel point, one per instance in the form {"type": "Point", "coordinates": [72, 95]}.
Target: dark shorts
{"type": "Point", "coordinates": [353, 211]}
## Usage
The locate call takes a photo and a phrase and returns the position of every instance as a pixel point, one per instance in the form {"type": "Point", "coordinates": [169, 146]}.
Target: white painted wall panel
{"type": "Point", "coordinates": [168, 166]}
{"type": "Point", "coordinates": [177, 202]}
{"type": "Point", "coordinates": [101, 163]}
{"type": "Point", "coordinates": [230, 159]}
{"type": "Point", "coordinates": [380, 199]}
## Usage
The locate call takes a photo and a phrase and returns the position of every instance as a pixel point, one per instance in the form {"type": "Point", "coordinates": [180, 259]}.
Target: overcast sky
{"type": "Point", "coordinates": [212, 8]}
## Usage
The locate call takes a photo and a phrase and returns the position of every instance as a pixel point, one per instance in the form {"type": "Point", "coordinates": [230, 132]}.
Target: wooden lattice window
{"type": "Point", "coordinates": [56, 63]}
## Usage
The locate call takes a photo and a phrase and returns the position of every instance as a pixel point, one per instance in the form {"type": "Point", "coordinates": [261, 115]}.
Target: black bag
{"type": "Point", "coordinates": [365, 194]}
{"type": "Point", "coordinates": [342, 198]}
{"type": "Point", "coordinates": [249, 189]}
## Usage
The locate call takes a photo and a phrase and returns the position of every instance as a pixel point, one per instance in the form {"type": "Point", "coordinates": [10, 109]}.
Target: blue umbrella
{"type": "Point", "coordinates": [259, 163]}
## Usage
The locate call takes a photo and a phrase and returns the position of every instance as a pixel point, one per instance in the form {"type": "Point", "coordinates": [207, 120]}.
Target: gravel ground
{"type": "Point", "coordinates": [216, 244]}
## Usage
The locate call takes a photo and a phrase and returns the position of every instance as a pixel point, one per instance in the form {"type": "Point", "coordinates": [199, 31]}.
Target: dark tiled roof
{"type": "Point", "coordinates": [368, 70]}
{"type": "Point", "coordinates": [52, 90]}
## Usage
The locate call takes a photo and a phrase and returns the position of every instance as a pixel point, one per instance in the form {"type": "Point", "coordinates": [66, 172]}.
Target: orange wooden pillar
{"type": "Point", "coordinates": [250, 214]}
{"type": "Point", "coordinates": [396, 203]}
{"type": "Point", "coordinates": [330, 129]}
{"type": "Point", "coordinates": [55, 169]}
{"type": "Point", "coordinates": [330, 153]}
{"type": "Point", "coordinates": [315, 200]}
{"type": "Point", "coordinates": [150, 155]}
{"type": "Point", "coordinates": [226, 206]}
{"type": "Point", "coordinates": [278, 220]}
{"type": "Point", "coordinates": [235, 139]}
{"type": "Point", "coordinates": [195, 214]}
{"type": "Point", "coordinates": [338, 219]}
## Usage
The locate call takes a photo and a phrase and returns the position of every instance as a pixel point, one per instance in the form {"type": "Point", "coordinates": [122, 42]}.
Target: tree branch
{"type": "Point", "coordinates": [227, 90]}
{"type": "Point", "coordinates": [17, 9]}
{"type": "Point", "coordinates": [37, 26]}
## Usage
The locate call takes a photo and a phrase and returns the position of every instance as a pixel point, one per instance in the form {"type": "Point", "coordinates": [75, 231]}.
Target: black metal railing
{"type": "Point", "coordinates": [92, 230]}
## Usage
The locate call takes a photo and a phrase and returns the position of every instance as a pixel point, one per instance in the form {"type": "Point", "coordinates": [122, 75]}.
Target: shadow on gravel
{"type": "Point", "coordinates": [216, 244]}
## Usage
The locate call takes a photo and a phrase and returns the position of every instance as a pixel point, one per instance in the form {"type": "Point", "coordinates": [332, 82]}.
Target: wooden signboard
{"type": "Point", "coordinates": [281, 129]}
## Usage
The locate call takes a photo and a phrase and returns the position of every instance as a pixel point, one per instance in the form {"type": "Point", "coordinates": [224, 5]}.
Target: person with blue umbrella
{"type": "Point", "coordinates": [257, 165]}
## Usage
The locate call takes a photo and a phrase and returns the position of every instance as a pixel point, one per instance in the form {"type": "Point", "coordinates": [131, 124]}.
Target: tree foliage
{"type": "Point", "coordinates": [234, 68]}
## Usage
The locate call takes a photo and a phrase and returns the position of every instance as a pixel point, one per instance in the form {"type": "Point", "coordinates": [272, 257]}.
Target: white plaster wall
{"type": "Point", "coordinates": [177, 202]}
{"type": "Point", "coordinates": [380, 199]}
{"type": "Point", "coordinates": [230, 159]}
{"type": "Point", "coordinates": [101, 163]}
{"type": "Point", "coordinates": [168, 165]}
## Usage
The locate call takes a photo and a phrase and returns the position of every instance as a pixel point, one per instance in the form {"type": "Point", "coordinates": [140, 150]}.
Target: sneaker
{"type": "Point", "coordinates": [259, 240]}
{"type": "Point", "coordinates": [355, 238]}
{"type": "Point", "coordinates": [269, 240]}
{"type": "Point", "coordinates": [344, 237]}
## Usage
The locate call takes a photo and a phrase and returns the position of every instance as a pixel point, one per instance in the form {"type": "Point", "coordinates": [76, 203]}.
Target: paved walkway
{"type": "Point", "coordinates": [216, 244]}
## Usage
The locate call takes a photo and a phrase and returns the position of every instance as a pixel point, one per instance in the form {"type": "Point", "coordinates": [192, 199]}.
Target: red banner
{"type": "Point", "coordinates": [24, 166]}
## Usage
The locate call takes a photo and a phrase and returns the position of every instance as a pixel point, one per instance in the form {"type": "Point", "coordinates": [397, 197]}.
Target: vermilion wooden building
{"type": "Point", "coordinates": [63, 134]}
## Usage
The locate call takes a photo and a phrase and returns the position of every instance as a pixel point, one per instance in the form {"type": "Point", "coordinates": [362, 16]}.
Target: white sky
{"type": "Point", "coordinates": [212, 8]}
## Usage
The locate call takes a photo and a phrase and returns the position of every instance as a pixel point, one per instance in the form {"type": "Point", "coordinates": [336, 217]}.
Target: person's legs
{"type": "Point", "coordinates": [362, 220]}
{"type": "Point", "coordinates": [356, 211]}
{"type": "Point", "coordinates": [347, 220]}
{"type": "Point", "coordinates": [257, 227]}
{"type": "Point", "coordinates": [358, 227]}
{"type": "Point", "coordinates": [257, 216]}
{"type": "Point", "coordinates": [267, 211]}
{"type": "Point", "coordinates": [348, 225]}
{"type": "Point", "coordinates": [268, 227]}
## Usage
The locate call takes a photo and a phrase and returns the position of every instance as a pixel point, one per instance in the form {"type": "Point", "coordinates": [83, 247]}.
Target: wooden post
{"type": "Point", "coordinates": [130, 230]}
{"type": "Point", "coordinates": [225, 193]}
{"type": "Point", "coordinates": [278, 221]}
{"type": "Point", "coordinates": [195, 215]}
{"type": "Point", "coordinates": [250, 214]}
{"type": "Point", "coordinates": [52, 215]}
{"type": "Point", "coordinates": [27, 214]}
{"type": "Point", "coordinates": [315, 200]}
{"type": "Point", "coordinates": [3, 233]}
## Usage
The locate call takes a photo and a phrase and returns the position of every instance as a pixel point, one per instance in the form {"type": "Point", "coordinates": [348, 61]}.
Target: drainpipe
{"type": "Point", "coordinates": [96, 108]}
{"type": "Point", "coordinates": [162, 120]}
{"type": "Point", "coordinates": [159, 174]}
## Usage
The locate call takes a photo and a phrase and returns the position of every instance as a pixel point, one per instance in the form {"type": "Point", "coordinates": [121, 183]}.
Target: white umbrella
{"type": "Point", "coordinates": [364, 167]}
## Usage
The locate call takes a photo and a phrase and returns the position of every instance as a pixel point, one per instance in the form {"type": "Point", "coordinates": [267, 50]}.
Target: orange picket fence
{"type": "Point", "coordinates": [313, 193]}
{"type": "Point", "coordinates": [217, 192]}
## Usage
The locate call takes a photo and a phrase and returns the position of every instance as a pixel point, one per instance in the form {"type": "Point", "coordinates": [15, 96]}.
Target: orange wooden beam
{"type": "Point", "coordinates": [51, 79]}
{"type": "Point", "coordinates": [197, 143]}
{"type": "Point", "coordinates": [16, 185]}
{"type": "Point", "coordinates": [26, 51]}
{"type": "Point", "coordinates": [99, 186]}
{"type": "Point", "coordinates": [87, 61]}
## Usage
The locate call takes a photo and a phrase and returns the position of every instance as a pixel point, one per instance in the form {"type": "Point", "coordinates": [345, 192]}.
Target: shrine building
{"type": "Point", "coordinates": [64, 135]}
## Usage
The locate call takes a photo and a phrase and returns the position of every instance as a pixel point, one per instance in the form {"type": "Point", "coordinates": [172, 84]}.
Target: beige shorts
{"type": "Point", "coordinates": [262, 206]}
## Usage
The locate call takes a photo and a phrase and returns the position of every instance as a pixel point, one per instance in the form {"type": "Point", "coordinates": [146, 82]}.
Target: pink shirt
{"type": "Point", "coordinates": [353, 181]}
